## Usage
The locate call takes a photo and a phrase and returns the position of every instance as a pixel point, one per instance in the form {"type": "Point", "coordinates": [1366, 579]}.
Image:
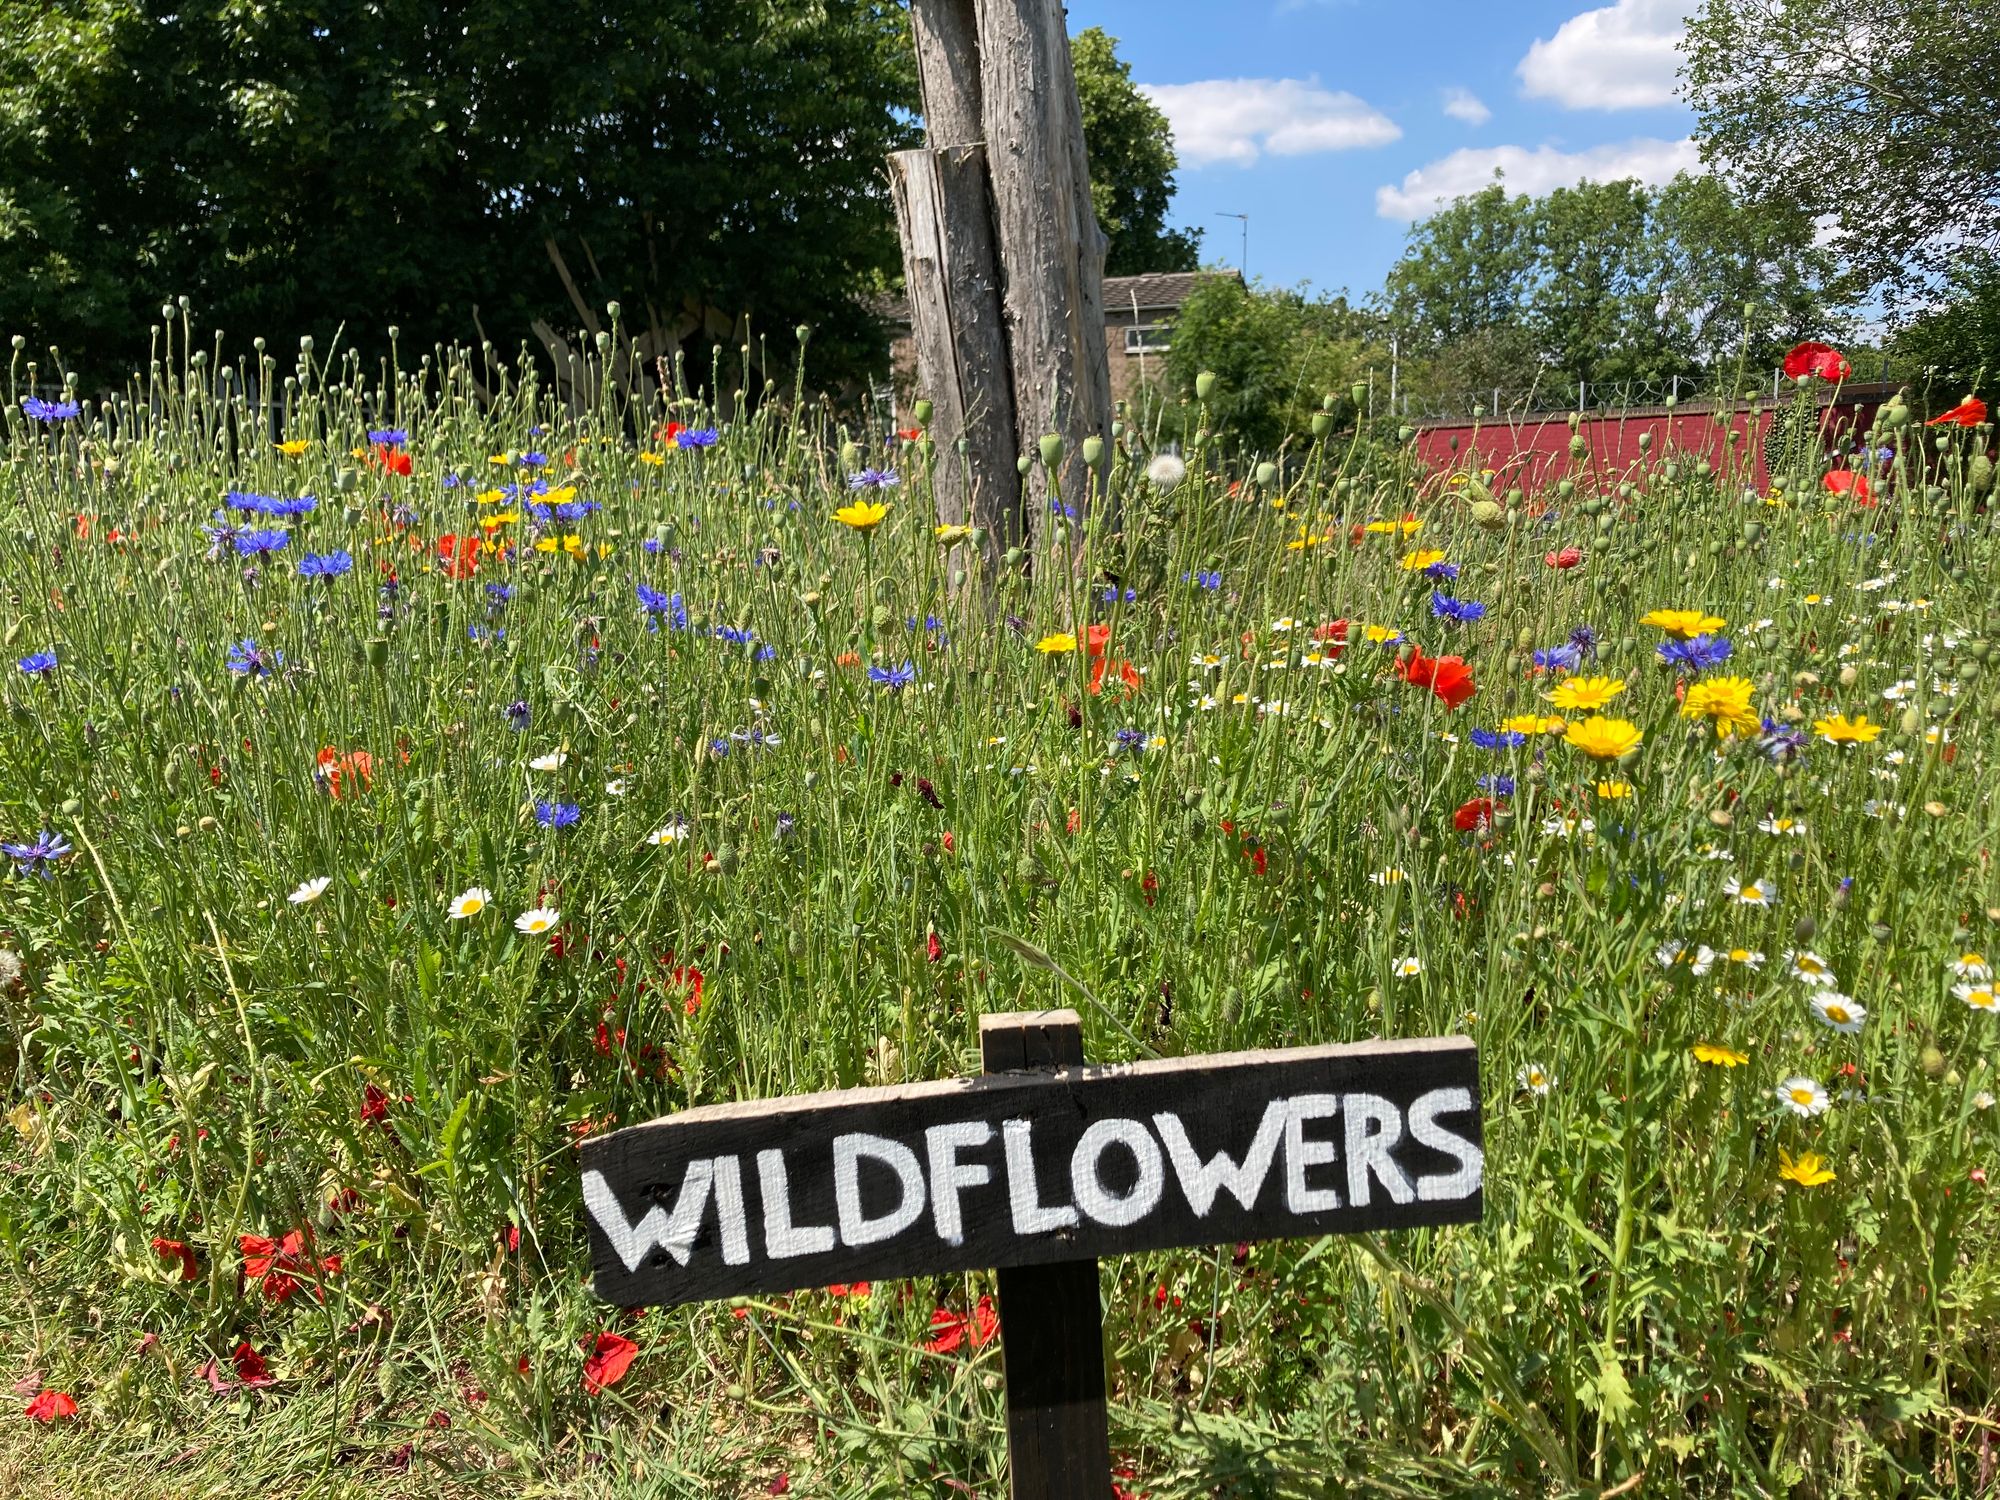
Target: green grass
{"type": "Point", "coordinates": [189, 1054]}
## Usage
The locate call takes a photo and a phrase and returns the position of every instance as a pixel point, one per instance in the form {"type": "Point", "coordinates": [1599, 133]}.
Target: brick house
{"type": "Point", "coordinates": [1138, 316]}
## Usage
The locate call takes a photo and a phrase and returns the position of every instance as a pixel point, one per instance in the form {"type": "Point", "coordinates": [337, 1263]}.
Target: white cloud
{"type": "Point", "coordinates": [1621, 56]}
{"type": "Point", "coordinates": [1463, 104]}
{"type": "Point", "coordinates": [1533, 172]}
{"type": "Point", "coordinates": [1238, 119]}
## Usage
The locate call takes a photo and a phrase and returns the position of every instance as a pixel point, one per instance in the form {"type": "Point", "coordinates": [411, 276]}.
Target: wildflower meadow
{"type": "Point", "coordinates": [409, 775]}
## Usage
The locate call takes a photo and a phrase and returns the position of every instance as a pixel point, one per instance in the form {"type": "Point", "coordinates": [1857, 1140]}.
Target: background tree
{"type": "Point", "coordinates": [1132, 163]}
{"type": "Point", "coordinates": [1877, 114]}
{"type": "Point", "coordinates": [453, 168]}
{"type": "Point", "coordinates": [1952, 349]}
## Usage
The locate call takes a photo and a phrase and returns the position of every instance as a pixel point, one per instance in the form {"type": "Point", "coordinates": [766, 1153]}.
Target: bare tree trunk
{"type": "Point", "coordinates": [947, 38]}
{"type": "Point", "coordinates": [1051, 248]}
{"type": "Point", "coordinates": [945, 219]}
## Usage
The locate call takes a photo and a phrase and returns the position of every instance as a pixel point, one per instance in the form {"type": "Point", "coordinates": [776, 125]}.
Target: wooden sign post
{"type": "Point", "coordinates": [1037, 1167]}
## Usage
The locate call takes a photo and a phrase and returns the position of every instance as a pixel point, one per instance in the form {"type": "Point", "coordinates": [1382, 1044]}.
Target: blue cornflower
{"type": "Point", "coordinates": [48, 411]}
{"type": "Point", "coordinates": [895, 679]}
{"type": "Point", "coordinates": [651, 544]}
{"type": "Point", "coordinates": [248, 500]}
{"type": "Point", "coordinates": [40, 662]}
{"type": "Point", "coordinates": [392, 437]}
{"type": "Point", "coordinates": [1563, 658]}
{"type": "Point", "coordinates": [556, 814]}
{"type": "Point", "coordinates": [1496, 786]}
{"type": "Point", "coordinates": [873, 479]}
{"type": "Point", "coordinates": [567, 510]}
{"type": "Point", "coordinates": [1782, 742]}
{"type": "Point", "coordinates": [1498, 739]}
{"type": "Point", "coordinates": [532, 460]}
{"type": "Point", "coordinates": [1129, 739]}
{"type": "Point", "coordinates": [38, 857]}
{"type": "Point", "coordinates": [766, 653]}
{"type": "Point", "coordinates": [1115, 596]}
{"type": "Point", "coordinates": [697, 437]}
{"type": "Point", "coordinates": [1697, 654]}
{"type": "Point", "coordinates": [248, 658]}
{"type": "Point", "coordinates": [517, 715]}
{"type": "Point", "coordinates": [223, 531]}
{"type": "Point", "coordinates": [1057, 508]}
{"type": "Point", "coordinates": [325, 565]}
{"type": "Point", "coordinates": [734, 636]}
{"type": "Point", "coordinates": [497, 596]}
{"type": "Point", "coordinates": [1464, 611]}
{"type": "Point", "coordinates": [256, 543]}
{"type": "Point", "coordinates": [718, 747]}
{"type": "Point", "coordinates": [1585, 641]}
{"type": "Point", "coordinates": [1443, 572]}
{"type": "Point", "coordinates": [452, 481]}
{"type": "Point", "coordinates": [784, 827]}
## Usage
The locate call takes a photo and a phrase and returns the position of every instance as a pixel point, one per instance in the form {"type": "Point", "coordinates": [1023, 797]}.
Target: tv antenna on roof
{"type": "Point", "coordinates": [1242, 260]}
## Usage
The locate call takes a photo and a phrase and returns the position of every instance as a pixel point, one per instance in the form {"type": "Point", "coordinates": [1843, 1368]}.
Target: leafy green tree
{"type": "Point", "coordinates": [457, 169]}
{"type": "Point", "coordinates": [1952, 349]}
{"type": "Point", "coordinates": [1276, 354]}
{"type": "Point", "coordinates": [1877, 114]}
{"type": "Point", "coordinates": [1132, 163]}
{"type": "Point", "coordinates": [1465, 269]}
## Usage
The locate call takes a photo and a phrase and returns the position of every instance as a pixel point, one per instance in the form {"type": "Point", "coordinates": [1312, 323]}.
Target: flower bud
{"type": "Point", "coordinates": [612, 311]}
{"type": "Point", "coordinates": [1024, 463]}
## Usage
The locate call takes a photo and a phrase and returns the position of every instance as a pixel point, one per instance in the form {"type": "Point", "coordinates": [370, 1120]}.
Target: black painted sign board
{"type": "Point", "coordinates": [1033, 1168]}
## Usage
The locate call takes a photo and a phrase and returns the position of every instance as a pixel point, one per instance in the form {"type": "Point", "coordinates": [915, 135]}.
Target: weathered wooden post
{"type": "Point", "coordinates": [1003, 259]}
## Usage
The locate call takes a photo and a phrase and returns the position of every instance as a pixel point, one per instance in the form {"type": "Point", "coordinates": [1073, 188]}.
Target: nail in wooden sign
{"type": "Point", "coordinates": [1033, 1168]}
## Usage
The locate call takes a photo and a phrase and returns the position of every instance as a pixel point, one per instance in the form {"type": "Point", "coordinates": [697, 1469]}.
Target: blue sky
{"type": "Point", "coordinates": [1332, 123]}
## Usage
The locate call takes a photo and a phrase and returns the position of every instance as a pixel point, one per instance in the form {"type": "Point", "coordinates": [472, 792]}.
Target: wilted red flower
{"type": "Point", "coordinates": [374, 1106]}
{"type": "Point", "coordinates": [52, 1406]}
{"type": "Point", "coordinates": [690, 980]}
{"type": "Point", "coordinates": [175, 1250]}
{"type": "Point", "coordinates": [1569, 557]}
{"type": "Point", "coordinates": [1478, 813]}
{"type": "Point", "coordinates": [782, 1485]}
{"type": "Point", "coordinates": [1847, 482]}
{"type": "Point", "coordinates": [611, 1355]}
{"type": "Point", "coordinates": [933, 946]}
{"type": "Point", "coordinates": [1447, 676]}
{"type": "Point", "coordinates": [250, 1366]}
{"type": "Point", "coordinates": [1815, 358]}
{"type": "Point", "coordinates": [1968, 413]}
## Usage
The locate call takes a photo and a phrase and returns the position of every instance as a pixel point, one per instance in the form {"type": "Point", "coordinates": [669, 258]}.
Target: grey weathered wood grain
{"type": "Point", "coordinates": [946, 33]}
{"type": "Point", "coordinates": [944, 215]}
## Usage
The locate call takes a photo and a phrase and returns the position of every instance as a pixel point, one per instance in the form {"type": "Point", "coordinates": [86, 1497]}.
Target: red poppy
{"type": "Point", "coordinates": [52, 1406]}
{"type": "Point", "coordinates": [460, 555]}
{"type": "Point", "coordinates": [782, 1485]}
{"type": "Point", "coordinates": [850, 1288]}
{"type": "Point", "coordinates": [1569, 557]}
{"type": "Point", "coordinates": [250, 1366]}
{"type": "Point", "coordinates": [1847, 482]}
{"type": "Point", "coordinates": [374, 1106]}
{"type": "Point", "coordinates": [909, 434]}
{"type": "Point", "coordinates": [280, 1263]}
{"type": "Point", "coordinates": [949, 1329]}
{"type": "Point", "coordinates": [1447, 676]}
{"type": "Point", "coordinates": [175, 1250]}
{"type": "Point", "coordinates": [1968, 413]}
{"type": "Point", "coordinates": [690, 980]}
{"type": "Point", "coordinates": [343, 772]}
{"type": "Point", "coordinates": [1096, 639]}
{"type": "Point", "coordinates": [1815, 358]}
{"type": "Point", "coordinates": [1332, 637]}
{"type": "Point", "coordinates": [390, 461]}
{"type": "Point", "coordinates": [1127, 675]}
{"type": "Point", "coordinates": [669, 432]}
{"type": "Point", "coordinates": [1478, 813]}
{"type": "Point", "coordinates": [933, 946]}
{"type": "Point", "coordinates": [610, 1357]}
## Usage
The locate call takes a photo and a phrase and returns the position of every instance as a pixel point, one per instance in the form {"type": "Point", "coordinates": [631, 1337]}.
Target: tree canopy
{"type": "Point", "coordinates": [457, 169]}
{"type": "Point", "coordinates": [1876, 115]}
{"type": "Point", "coordinates": [1132, 163]}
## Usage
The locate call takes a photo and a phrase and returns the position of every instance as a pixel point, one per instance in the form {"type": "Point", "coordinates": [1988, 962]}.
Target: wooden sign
{"type": "Point", "coordinates": [1034, 1168]}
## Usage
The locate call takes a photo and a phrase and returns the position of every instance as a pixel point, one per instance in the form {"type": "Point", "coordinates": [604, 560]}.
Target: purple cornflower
{"type": "Point", "coordinates": [556, 814]}
{"type": "Point", "coordinates": [1129, 739]}
{"type": "Point", "coordinates": [734, 636]}
{"type": "Point", "coordinates": [895, 679]}
{"type": "Point", "coordinates": [1114, 595]}
{"type": "Point", "coordinates": [784, 827]}
{"type": "Point", "coordinates": [388, 437]}
{"type": "Point", "coordinates": [1463, 611]}
{"type": "Point", "coordinates": [1443, 572]}
{"type": "Point", "coordinates": [873, 479]}
{"type": "Point", "coordinates": [1496, 786]}
{"type": "Point", "coordinates": [1782, 742]}
{"type": "Point", "coordinates": [38, 857]}
{"type": "Point", "coordinates": [1498, 739]}
{"type": "Point", "coordinates": [1585, 641]}
{"type": "Point", "coordinates": [697, 437]}
{"type": "Point", "coordinates": [1696, 655]}
{"type": "Point", "coordinates": [248, 658]}
{"type": "Point", "coordinates": [325, 564]}
{"type": "Point", "coordinates": [1211, 581]}
{"type": "Point", "coordinates": [532, 460]}
{"type": "Point", "coordinates": [39, 663]}
{"type": "Point", "coordinates": [48, 411]}
{"type": "Point", "coordinates": [1563, 658]}
{"type": "Point", "coordinates": [1057, 508]}
{"type": "Point", "coordinates": [517, 715]}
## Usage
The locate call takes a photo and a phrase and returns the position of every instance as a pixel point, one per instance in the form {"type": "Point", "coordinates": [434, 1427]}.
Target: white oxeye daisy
{"type": "Point", "coordinates": [551, 762]}
{"type": "Point", "coordinates": [1166, 471]}
{"type": "Point", "coordinates": [1972, 966]}
{"type": "Point", "coordinates": [615, 788]}
{"type": "Point", "coordinates": [1803, 1096]}
{"type": "Point", "coordinates": [672, 833]}
{"type": "Point", "coordinates": [536, 920]}
{"type": "Point", "coordinates": [1781, 826]}
{"type": "Point", "coordinates": [1405, 968]}
{"type": "Point", "coordinates": [1390, 876]}
{"type": "Point", "coordinates": [1809, 968]}
{"type": "Point", "coordinates": [469, 903]}
{"type": "Point", "coordinates": [1535, 1079]}
{"type": "Point", "coordinates": [1704, 959]}
{"type": "Point", "coordinates": [1978, 996]}
{"type": "Point", "coordinates": [1670, 953]}
{"type": "Point", "coordinates": [1982, 1100]}
{"type": "Point", "coordinates": [1287, 623]}
{"type": "Point", "coordinates": [1839, 1011]}
{"type": "Point", "coordinates": [1751, 892]}
{"type": "Point", "coordinates": [310, 890]}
